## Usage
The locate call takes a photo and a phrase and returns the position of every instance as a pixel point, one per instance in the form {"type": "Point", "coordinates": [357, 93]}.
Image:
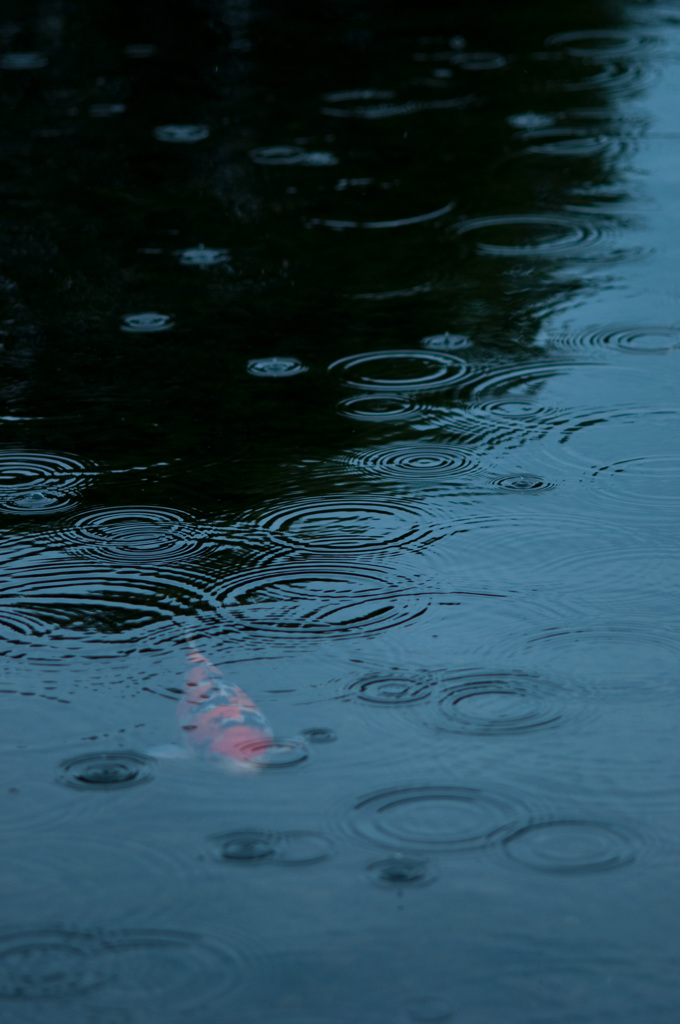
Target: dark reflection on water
{"type": "Point", "coordinates": [339, 344]}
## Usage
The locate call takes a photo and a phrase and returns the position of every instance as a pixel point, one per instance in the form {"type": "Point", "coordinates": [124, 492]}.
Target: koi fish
{"type": "Point", "coordinates": [218, 720]}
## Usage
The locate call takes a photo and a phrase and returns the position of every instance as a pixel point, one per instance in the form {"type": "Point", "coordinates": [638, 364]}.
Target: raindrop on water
{"type": "Point", "coordinates": [116, 770]}
{"type": "Point", "coordinates": [201, 256]}
{"type": "Point", "coordinates": [401, 872]}
{"type": "Point", "coordinates": [146, 323]}
{"type": "Point", "coordinates": [276, 366]}
{"type": "Point", "coordinates": [185, 133]}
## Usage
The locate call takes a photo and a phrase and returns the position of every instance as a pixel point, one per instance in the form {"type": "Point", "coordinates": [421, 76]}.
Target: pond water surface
{"type": "Point", "coordinates": [339, 346]}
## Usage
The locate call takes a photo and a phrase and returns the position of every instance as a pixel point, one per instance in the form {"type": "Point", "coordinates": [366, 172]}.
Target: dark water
{"type": "Point", "coordinates": [343, 338]}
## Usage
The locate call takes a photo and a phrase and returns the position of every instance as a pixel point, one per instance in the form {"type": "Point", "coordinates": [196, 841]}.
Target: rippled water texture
{"type": "Point", "coordinates": [339, 589]}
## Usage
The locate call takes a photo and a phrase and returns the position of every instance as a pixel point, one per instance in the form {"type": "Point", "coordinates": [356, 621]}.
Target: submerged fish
{"type": "Point", "coordinates": [218, 720]}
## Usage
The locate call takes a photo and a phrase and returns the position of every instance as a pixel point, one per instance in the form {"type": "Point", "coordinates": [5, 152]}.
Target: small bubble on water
{"type": "Point", "coordinates": [146, 323]}
{"type": "Point", "coordinates": [185, 133]}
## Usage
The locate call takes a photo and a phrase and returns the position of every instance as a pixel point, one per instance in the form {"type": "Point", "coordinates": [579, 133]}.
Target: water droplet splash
{"type": "Point", "coordinates": [255, 846]}
{"type": "Point", "coordinates": [401, 872]}
{"type": "Point", "coordinates": [146, 323]}
{"type": "Point", "coordinates": [446, 342]}
{"type": "Point", "coordinates": [276, 366]}
{"type": "Point", "coordinates": [106, 770]}
{"type": "Point", "coordinates": [523, 482]}
{"type": "Point", "coordinates": [201, 256]}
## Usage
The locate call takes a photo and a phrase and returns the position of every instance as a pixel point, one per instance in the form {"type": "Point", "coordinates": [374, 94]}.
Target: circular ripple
{"type": "Point", "coordinates": [625, 339]}
{"type": "Point", "coordinates": [132, 535]}
{"type": "Point", "coordinates": [106, 770]}
{"type": "Point", "coordinates": [494, 703]}
{"type": "Point", "coordinates": [399, 370]}
{"type": "Point", "coordinates": [393, 689]}
{"type": "Point", "coordinates": [201, 256]}
{"type": "Point", "coordinates": [170, 968]}
{"type": "Point", "coordinates": [339, 524]}
{"type": "Point", "coordinates": [66, 601]}
{"type": "Point", "coordinates": [50, 964]}
{"type": "Point", "coordinates": [319, 600]}
{"type": "Point", "coordinates": [530, 234]}
{"type": "Point", "coordinates": [402, 872]}
{"type": "Point", "coordinates": [446, 342]}
{"type": "Point", "coordinates": [279, 753]}
{"type": "Point", "coordinates": [608, 42]}
{"type": "Point", "coordinates": [276, 366]}
{"type": "Point", "coordinates": [256, 846]}
{"type": "Point", "coordinates": [378, 408]}
{"type": "Point", "coordinates": [146, 323]}
{"type": "Point", "coordinates": [35, 481]}
{"type": "Point", "coordinates": [23, 61]}
{"type": "Point", "coordinates": [652, 481]}
{"type": "Point", "coordinates": [319, 734]}
{"type": "Point", "coordinates": [181, 132]}
{"type": "Point", "coordinates": [433, 817]}
{"type": "Point", "coordinates": [416, 460]}
{"type": "Point", "coordinates": [622, 658]}
{"type": "Point", "coordinates": [523, 482]}
{"type": "Point", "coordinates": [571, 847]}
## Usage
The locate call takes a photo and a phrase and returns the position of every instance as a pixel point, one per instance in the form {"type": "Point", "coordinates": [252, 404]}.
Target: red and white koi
{"type": "Point", "coordinates": [218, 720]}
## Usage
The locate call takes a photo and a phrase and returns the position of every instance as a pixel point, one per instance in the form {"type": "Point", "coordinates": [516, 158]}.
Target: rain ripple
{"type": "Point", "coordinates": [40, 482]}
{"type": "Point", "coordinates": [400, 370]}
{"type": "Point", "coordinates": [622, 338]}
{"type": "Point", "coordinates": [135, 968]}
{"type": "Point", "coordinates": [318, 601]}
{"type": "Point", "coordinates": [106, 770]}
{"type": "Point", "coordinates": [132, 535]}
{"type": "Point", "coordinates": [343, 525]}
{"type": "Point", "coordinates": [415, 461]}
{"type": "Point", "coordinates": [43, 601]}
{"type": "Point", "coordinates": [546, 235]}
{"type": "Point", "coordinates": [378, 408]}
{"type": "Point", "coordinates": [434, 818]}
{"type": "Point", "coordinates": [572, 847]}
{"type": "Point", "coordinates": [497, 703]}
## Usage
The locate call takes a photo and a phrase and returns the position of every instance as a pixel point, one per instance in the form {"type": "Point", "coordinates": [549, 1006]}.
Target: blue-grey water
{"type": "Point", "coordinates": [340, 344]}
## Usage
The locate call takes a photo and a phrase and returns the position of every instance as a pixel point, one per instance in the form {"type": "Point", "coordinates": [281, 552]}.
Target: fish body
{"type": "Point", "coordinates": [218, 719]}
